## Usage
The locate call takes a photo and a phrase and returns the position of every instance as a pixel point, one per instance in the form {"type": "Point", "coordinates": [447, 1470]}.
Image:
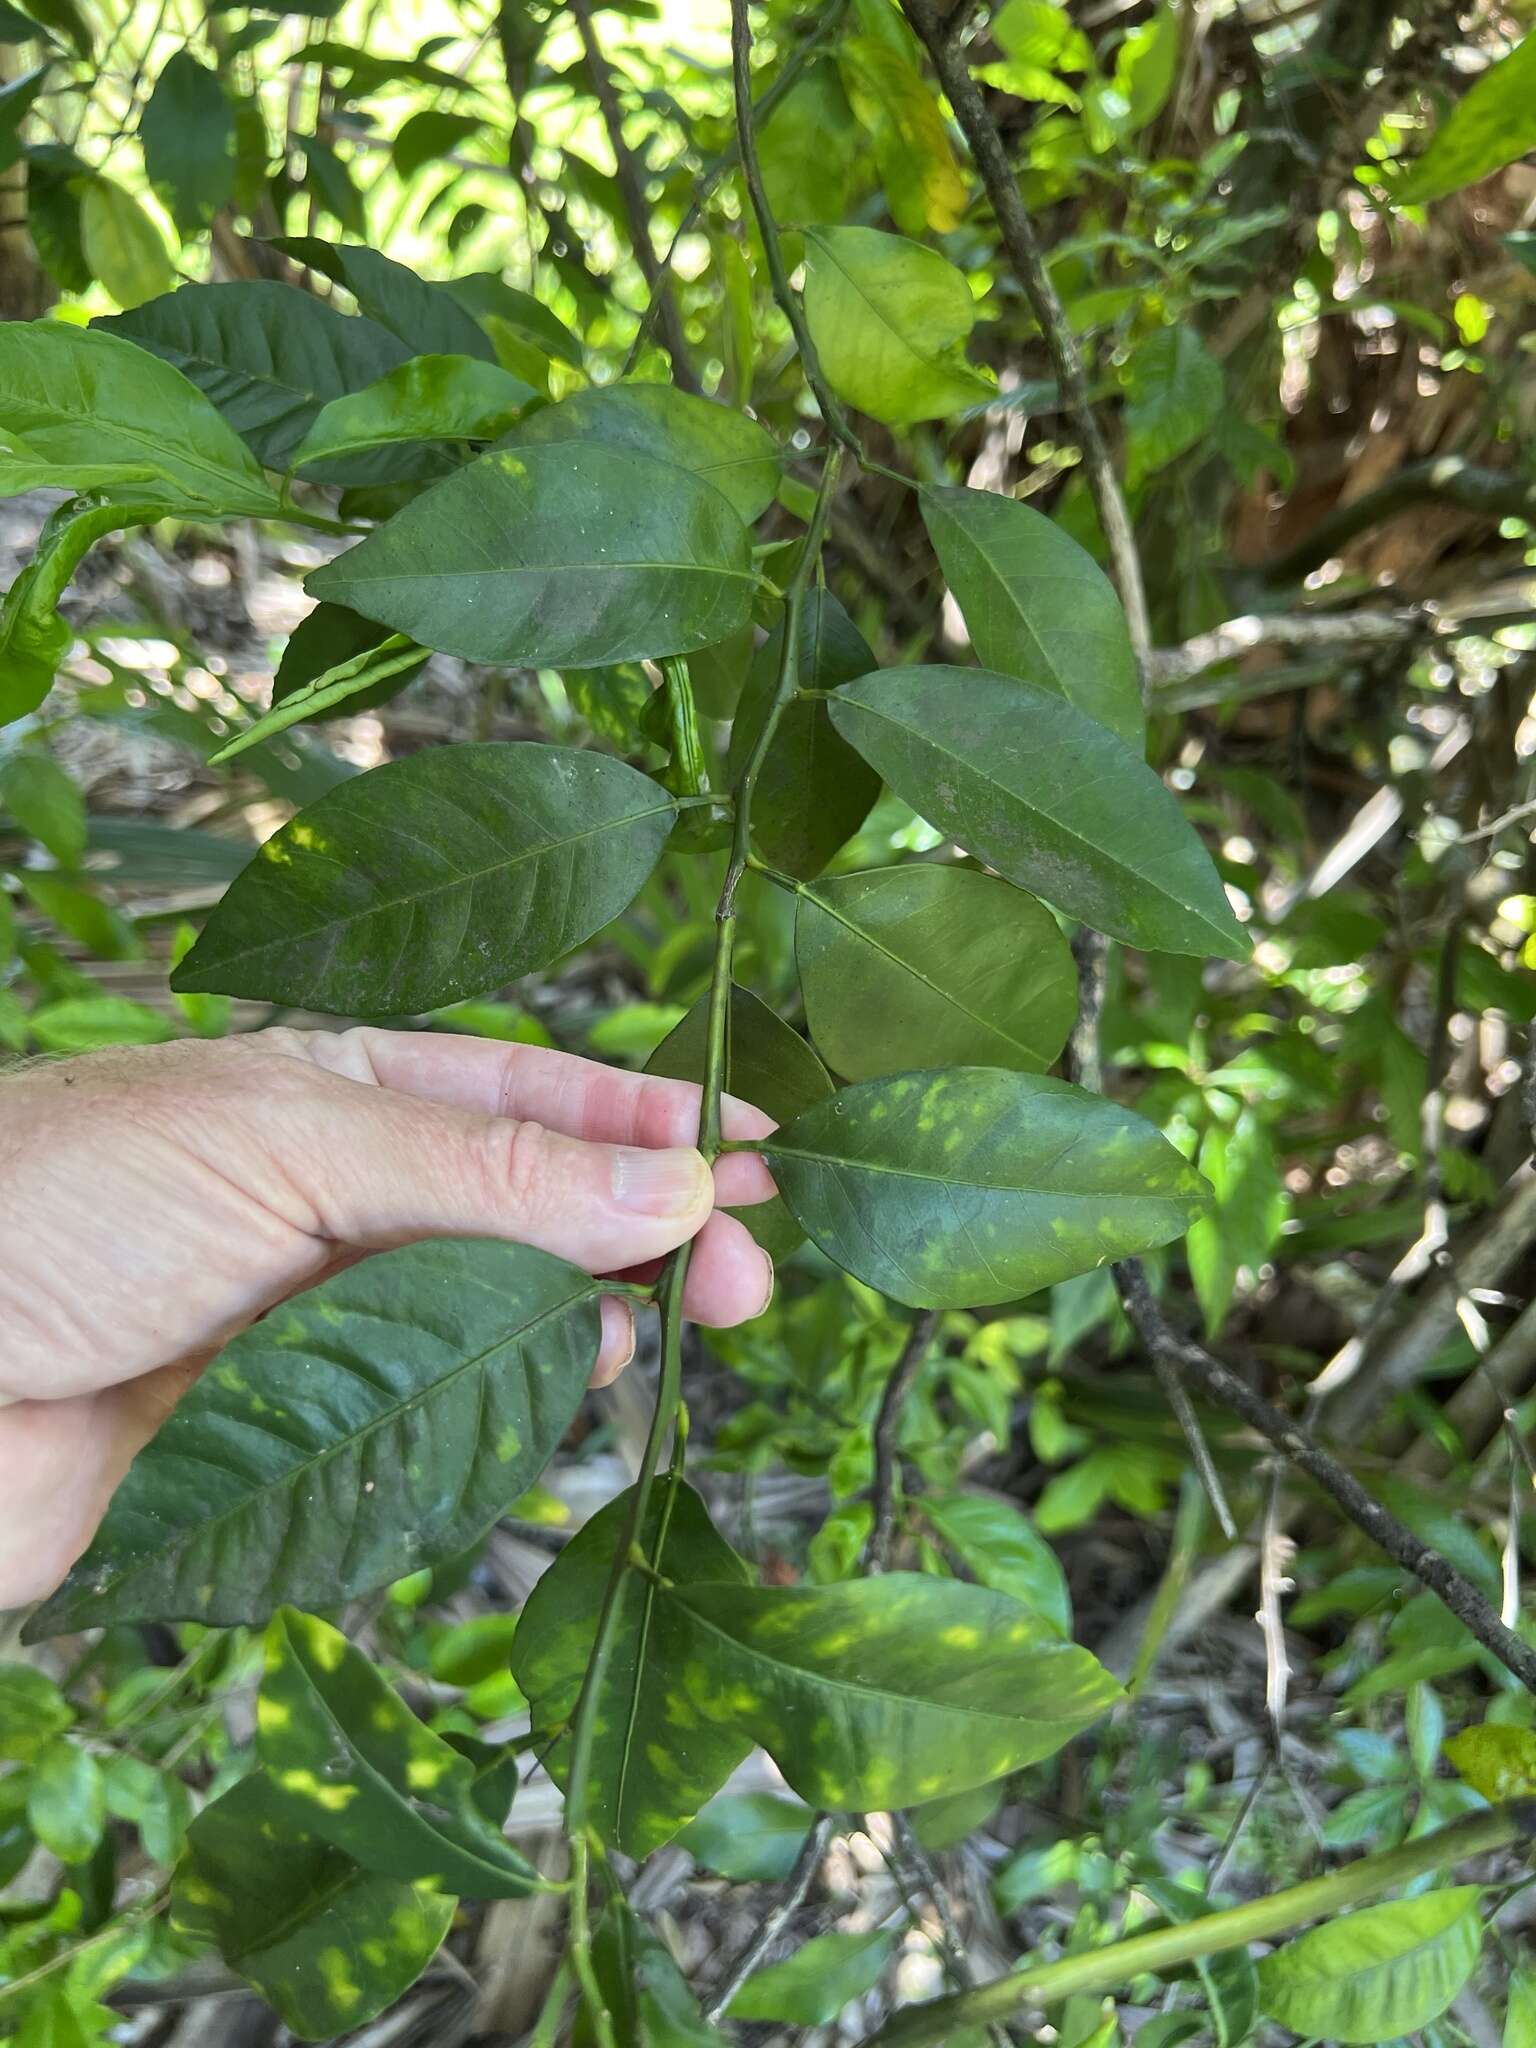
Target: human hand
{"type": "Point", "coordinates": [155, 1201]}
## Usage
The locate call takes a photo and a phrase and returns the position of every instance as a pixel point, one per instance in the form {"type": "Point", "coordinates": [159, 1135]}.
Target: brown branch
{"type": "Point", "coordinates": [1222, 1385]}
{"type": "Point", "coordinates": [914, 1355]}
{"type": "Point", "coordinates": [1024, 254]}
{"type": "Point", "coordinates": [807, 1863]}
{"type": "Point", "coordinates": [1442, 480]}
{"type": "Point", "coordinates": [631, 184]}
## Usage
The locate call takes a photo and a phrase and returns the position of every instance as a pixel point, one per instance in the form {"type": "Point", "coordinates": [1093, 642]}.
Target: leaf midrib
{"type": "Point", "coordinates": [969, 767]}
{"type": "Point", "coordinates": [294, 1474]}
{"type": "Point", "coordinates": [769, 1148]}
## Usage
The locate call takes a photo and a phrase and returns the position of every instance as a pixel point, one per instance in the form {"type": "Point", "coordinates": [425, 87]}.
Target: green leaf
{"type": "Point", "coordinates": [889, 319]}
{"type": "Point", "coordinates": [894, 104]}
{"type": "Point", "coordinates": [767, 1064]}
{"type": "Point", "coordinates": [45, 803]}
{"type": "Point", "coordinates": [18, 96]}
{"type": "Point", "coordinates": [377, 1424]}
{"type": "Point", "coordinates": [66, 1800]}
{"type": "Point", "coordinates": [32, 1711]}
{"type": "Point", "coordinates": [1037, 604]}
{"type": "Point", "coordinates": [555, 556]}
{"type": "Point", "coordinates": [361, 904]}
{"type": "Point", "coordinates": [811, 1987]}
{"type": "Point", "coordinates": [934, 966]}
{"type": "Point", "coordinates": [88, 1023]}
{"type": "Point", "coordinates": [379, 672]}
{"type": "Point", "coordinates": [1496, 1759]}
{"type": "Point", "coordinates": [267, 355]}
{"type": "Point", "coordinates": [325, 1943]}
{"type": "Point", "coordinates": [329, 639]}
{"type": "Point", "coordinates": [1372, 1975]}
{"type": "Point", "coordinates": [1146, 68]}
{"type": "Point", "coordinates": [1244, 1224]}
{"type": "Point", "coordinates": [884, 1692]}
{"type": "Point", "coordinates": [723, 447]}
{"type": "Point", "coordinates": [814, 156]}
{"type": "Point", "coordinates": [657, 1758]}
{"type": "Point", "coordinates": [457, 398]}
{"type": "Point", "coordinates": [813, 791]}
{"type": "Point", "coordinates": [749, 1837]}
{"type": "Point", "coordinates": [1048, 797]}
{"type": "Point", "coordinates": [156, 1802]}
{"type": "Point", "coordinates": [188, 135]}
{"type": "Point", "coordinates": [1175, 390]}
{"type": "Point", "coordinates": [60, 2019]}
{"type": "Point", "coordinates": [83, 396]}
{"type": "Point", "coordinates": [428, 137]}
{"type": "Point", "coordinates": [426, 316]}
{"type": "Point", "coordinates": [645, 1991]}
{"type": "Point", "coordinates": [55, 179]}
{"type": "Point", "coordinates": [1492, 124]}
{"type": "Point", "coordinates": [344, 1752]}
{"type": "Point", "coordinates": [946, 1823]}
{"type": "Point", "coordinates": [122, 245]}
{"type": "Point", "coordinates": [485, 294]}
{"type": "Point", "coordinates": [83, 915]}
{"type": "Point", "coordinates": [1005, 1551]}
{"type": "Point", "coordinates": [1520, 2015]}
{"type": "Point", "coordinates": [957, 1189]}
{"type": "Point", "coordinates": [333, 189]}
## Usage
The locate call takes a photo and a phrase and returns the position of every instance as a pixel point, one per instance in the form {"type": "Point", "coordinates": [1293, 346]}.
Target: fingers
{"type": "Point", "coordinates": [618, 1341]}
{"type": "Point", "coordinates": [730, 1276]}
{"type": "Point", "coordinates": [581, 1098]}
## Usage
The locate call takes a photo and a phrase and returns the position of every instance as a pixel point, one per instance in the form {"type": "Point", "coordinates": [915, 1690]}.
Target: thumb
{"type": "Point", "coordinates": [410, 1169]}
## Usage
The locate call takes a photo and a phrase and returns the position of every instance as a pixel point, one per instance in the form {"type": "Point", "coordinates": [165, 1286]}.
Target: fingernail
{"type": "Point", "coordinates": [674, 1182]}
{"type": "Point", "coordinates": [768, 1290]}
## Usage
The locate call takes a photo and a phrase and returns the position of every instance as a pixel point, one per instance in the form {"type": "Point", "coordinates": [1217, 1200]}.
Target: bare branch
{"type": "Point", "coordinates": [807, 1863]}
{"type": "Point", "coordinates": [1443, 480]}
{"type": "Point", "coordinates": [877, 1553]}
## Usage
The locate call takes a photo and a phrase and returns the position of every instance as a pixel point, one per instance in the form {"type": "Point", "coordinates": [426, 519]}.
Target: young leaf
{"type": "Point", "coordinates": [122, 245]}
{"type": "Point", "coordinates": [813, 791]}
{"type": "Point", "coordinates": [723, 447]}
{"type": "Point", "coordinates": [766, 1063]}
{"type": "Point", "coordinates": [268, 356]}
{"type": "Point", "coordinates": [80, 395]}
{"type": "Point", "coordinates": [555, 556]}
{"type": "Point", "coordinates": [188, 137]}
{"type": "Point", "coordinates": [453, 398]}
{"type": "Point", "coordinates": [1175, 390]}
{"type": "Point", "coordinates": [928, 965]}
{"type": "Point", "coordinates": [1383, 1971]}
{"type": "Point", "coordinates": [750, 1837]}
{"type": "Point", "coordinates": [348, 1438]}
{"type": "Point", "coordinates": [1037, 604]}
{"type": "Point", "coordinates": [1005, 1551]}
{"type": "Point", "coordinates": [1492, 124]}
{"type": "Point", "coordinates": [889, 319]}
{"type": "Point", "coordinates": [342, 1750]}
{"type": "Point", "coordinates": [811, 1987]}
{"type": "Point", "coordinates": [884, 1692]}
{"type": "Point", "coordinates": [424, 315]}
{"type": "Point", "coordinates": [361, 904]}
{"type": "Point", "coordinates": [325, 1943]}
{"type": "Point", "coordinates": [657, 1760]}
{"type": "Point", "coordinates": [1048, 797]}
{"type": "Point", "coordinates": [949, 1190]}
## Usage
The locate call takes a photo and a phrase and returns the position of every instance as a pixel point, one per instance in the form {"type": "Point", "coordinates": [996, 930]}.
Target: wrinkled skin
{"type": "Point", "coordinates": [155, 1201]}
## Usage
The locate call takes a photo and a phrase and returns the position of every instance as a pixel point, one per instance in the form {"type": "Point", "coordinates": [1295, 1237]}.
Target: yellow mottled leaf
{"type": "Point", "coordinates": [922, 179]}
{"type": "Point", "coordinates": [1497, 1761]}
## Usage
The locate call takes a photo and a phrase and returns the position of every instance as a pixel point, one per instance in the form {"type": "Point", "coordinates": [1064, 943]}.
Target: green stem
{"type": "Point", "coordinates": [1167, 1948]}
{"type": "Point", "coordinates": [579, 1948]}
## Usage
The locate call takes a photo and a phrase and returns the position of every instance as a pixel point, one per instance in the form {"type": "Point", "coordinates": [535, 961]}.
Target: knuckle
{"type": "Point", "coordinates": [520, 1167]}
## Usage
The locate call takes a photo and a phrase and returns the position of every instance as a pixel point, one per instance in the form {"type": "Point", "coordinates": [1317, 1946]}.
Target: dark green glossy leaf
{"type": "Point", "coordinates": [425, 315]}
{"type": "Point", "coordinates": [1378, 1973]}
{"type": "Point", "coordinates": [932, 966]}
{"type": "Point", "coordinates": [584, 555]}
{"type": "Point", "coordinates": [343, 1750]}
{"type": "Point", "coordinates": [1037, 604]}
{"type": "Point", "coordinates": [811, 1987]}
{"type": "Point", "coordinates": [767, 1064]}
{"type": "Point", "coordinates": [80, 395]}
{"type": "Point", "coordinates": [332, 188]}
{"type": "Point", "coordinates": [1000, 1544]}
{"type": "Point", "coordinates": [453, 398]}
{"type": "Point", "coordinates": [1048, 797]}
{"type": "Point", "coordinates": [429, 136]}
{"type": "Point", "coordinates": [188, 136]}
{"type": "Point", "coordinates": [55, 179]}
{"type": "Point", "coordinates": [434, 878]}
{"type": "Point", "coordinates": [657, 1759]}
{"type": "Point", "coordinates": [66, 1800]}
{"type": "Point", "coordinates": [723, 447]}
{"type": "Point", "coordinates": [325, 1943]}
{"type": "Point", "coordinates": [484, 294]}
{"type": "Point", "coordinates": [330, 636]}
{"type": "Point", "coordinates": [956, 1189]}
{"type": "Point", "coordinates": [751, 1837]}
{"type": "Point", "coordinates": [377, 1424]}
{"type": "Point", "coordinates": [813, 791]}
{"type": "Point", "coordinates": [377, 673]}
{"type": "Point", "coordinates": [267, 355]}
{"type": "Point", "coordinates": [889, 319]}
{"type": "Point", "coordinates": [885, 1692]}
